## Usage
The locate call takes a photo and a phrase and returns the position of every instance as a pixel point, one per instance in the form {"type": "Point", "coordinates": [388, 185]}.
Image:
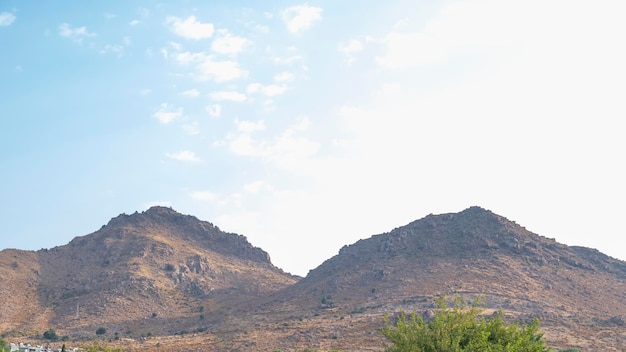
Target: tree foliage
{"type": "Point", "coordinates": [51, 335]}
{"type": "Point", "coordinates": [461, 328]}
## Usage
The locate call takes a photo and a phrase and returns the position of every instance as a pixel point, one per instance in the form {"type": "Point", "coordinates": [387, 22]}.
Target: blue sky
{"type": "Point", "coordinates": [306, 126]}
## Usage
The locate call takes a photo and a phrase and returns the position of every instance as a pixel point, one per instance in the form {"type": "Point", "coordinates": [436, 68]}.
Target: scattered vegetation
{"type": "Point", "coordinates": [4, 346]}
{"type": "Point", "coordinates": [95, 346]}
{"type": "Point", "coordinates": [51, 335]}
{"type": "Point", "coordinates": [461, 329]}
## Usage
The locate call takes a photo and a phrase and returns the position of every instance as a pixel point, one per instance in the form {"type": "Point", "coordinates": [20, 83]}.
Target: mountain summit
{"type": "Point", "coordinates": [161, 273]}
{"type": "Point", "coordinates": [158, 263]}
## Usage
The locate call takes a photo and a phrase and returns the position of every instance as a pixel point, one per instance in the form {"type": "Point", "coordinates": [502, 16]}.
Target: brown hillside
{"type": "Point", "coordinates": [578, 293]}
{"type": "Point", "coordinates": [150, 272]}
{"type": "Point", "coordinates": [162, 274]}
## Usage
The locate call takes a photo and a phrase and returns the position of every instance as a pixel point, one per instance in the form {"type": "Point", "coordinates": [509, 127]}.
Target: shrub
{"type": "Point", "coordinates": [101, 331]}
{"type": "Point", "coordinates": [461, 329]}
{"type": "Point", "coordinates": [51, 335]}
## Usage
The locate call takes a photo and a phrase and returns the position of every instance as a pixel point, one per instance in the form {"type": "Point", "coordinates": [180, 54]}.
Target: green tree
{"type": "Point", "coordinates": [461, 329]}
{"type": "Point", "coordinates": [4, 346]}
{"type": "Point", "coordinates": [51, 335]}
{"type": "Point", "coordinates": [101, 331]}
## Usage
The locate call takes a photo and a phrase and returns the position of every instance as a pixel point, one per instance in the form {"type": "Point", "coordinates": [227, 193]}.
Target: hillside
{"type": "Point", "coordinates": [161, 273]}
{"type": "Point", "coordinates": [578, 293]}
{"type": "Point", "coordinates": [143, 273]}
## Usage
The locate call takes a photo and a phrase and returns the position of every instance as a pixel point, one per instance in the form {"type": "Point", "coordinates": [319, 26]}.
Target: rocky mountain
{"type": "Point", "coordinates": [143, 273]}
{"type": "Point", "coordinates": [161, 272]}
{"type": "Point", "coordinates": [576, 292]}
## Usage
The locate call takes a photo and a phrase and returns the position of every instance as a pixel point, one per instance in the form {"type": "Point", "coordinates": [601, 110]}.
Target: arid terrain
{"type": "Point", "coordinates": [160, 280]}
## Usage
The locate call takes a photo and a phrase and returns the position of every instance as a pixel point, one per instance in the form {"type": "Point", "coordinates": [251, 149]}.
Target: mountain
{"type": "Point", "coordinates": [578, 293]}
{"type": "Point", "coordinates": [161, 273]}
{"type": "Point", "coordinates": [142, 273]}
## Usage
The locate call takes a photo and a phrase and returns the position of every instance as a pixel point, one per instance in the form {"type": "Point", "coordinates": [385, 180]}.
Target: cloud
{"type": "Point", "coordinates": [269, 90]}
{"type": "Point", "coordinates": [192, 93]}
{"type": "Point", "coordinates": [184, 155]}
{"type": "Point", "coordinates": [204, 196]}
{"type": "Point", "coordinates": [134, 23]}
{"type": "Point", "coordinates": [301, 17]}
{"type": "Point", "coordinates": [249, 126]}
{"type": "Point", "coordinates": [165, 116]}
{"type": "Point", "coordinates": [288, 60]}
{"type": "Point", "coordinates": [456, 30]}
{"type": "Point", "coordinates": [192, 128]}
{"type": "Point", "coordinates": [229, 44]}
{"type": "Point", "coordinates": [112, 49]}
{"type": "Point", "coordinates": [255, 187]}
{"type": "Point", "coordinates": [6, 19]}
{"type": "Point", "coordinates": [145, 91]}
{"type": "Point", "coordinates": [175, 46]}
{"type": "Point", "coordinates": [209, 68]}
{"type": "Point", "coordinates": [190, 28]}
{"type": "Point", "coordinates": [287, 151]}
{"type": "Point", "coordinates": [228, 95]}
{"type": "Point", "coordinates": [283, 77]}
{"type": "Point", "coordinates": [349, 49]}
{"type": "Point", "coordinates": [214, 110]}
{"type": "Point", "coordinates": [77, 34]}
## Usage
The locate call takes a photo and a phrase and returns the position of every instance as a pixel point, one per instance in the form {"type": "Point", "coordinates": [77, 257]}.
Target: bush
{"type": "Point", "coordinates": [101, 331]}
{"type": "Point", "coordinates": [51, 335]}
{"type": "Point", "coordinates": [461, 329]}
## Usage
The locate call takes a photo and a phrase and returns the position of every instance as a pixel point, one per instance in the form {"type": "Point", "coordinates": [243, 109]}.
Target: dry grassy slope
{"type": "Point", "coordinates": [158, 263]}
{"type": "Point", "coordinates": [171, 264]}
{"type": "Point", "coordinates": [472, 253]}
{"type": "Point", "coordinates": [20, 309]}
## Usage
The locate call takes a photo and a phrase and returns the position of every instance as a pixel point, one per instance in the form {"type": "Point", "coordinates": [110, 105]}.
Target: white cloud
{"type": "Point", "coordinates": [228, 95]}
{"type": "Point", "coordinates": [165, 115]}
{"type": "Point", "coordinates": [288, 60]}
{"type": "Point", "coordinates": [301, 17]}
{"type": "Point", "coordinates": [185, 155]}
{"type": "Point", "coordinates": [287, 151]}
{"type": "Point", "coordinates": [269, 90]}
{"type": "Point", "coordinates": [501, 24]}
{"type": "Point", "coordinates": [192, 128]}
{"type": "Point", "coordinates": [204, 196]}
{"type": "Point", "coordinates": [229, 44]}
{"type": "Point", "coordinates": [349, 49]}
{"type": "Point", "coordinates": [77, 34]}
{"type": "Point", "coordinates": [176, 46]}
{"type": "Point", "coordinates": [214, 110]}
{"type": "Point", "coordinates": [249, 126]}
{"type": "Point", "coordinates": [255, 187]}
{"type": "Point", "coordinates": [192, 93]}
{"type": "Point", "coordinates": [221, 71]}
{"type": "Point", "coordinates": [134, 23]}
{"type": "Point", "coordinates": [283, 77]}
{"type": "Point", "coordinates": [209, 68]}
{"type": "Point", "coordinates": [261, 29]}
{"type": "Point", "coordinates": [6, 19]}
{"type": "Point", "coordinates": [112, 49]}
{"type": "Point", "coordinates": [190, 28]}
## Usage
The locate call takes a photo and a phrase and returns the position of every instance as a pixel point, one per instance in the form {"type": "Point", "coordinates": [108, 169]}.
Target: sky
{"type": "Point", "coordinates": [306, 126]}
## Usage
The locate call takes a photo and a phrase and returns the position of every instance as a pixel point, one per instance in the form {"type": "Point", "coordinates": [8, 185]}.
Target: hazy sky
{"type": "Point", "coordinates": [306, 126]}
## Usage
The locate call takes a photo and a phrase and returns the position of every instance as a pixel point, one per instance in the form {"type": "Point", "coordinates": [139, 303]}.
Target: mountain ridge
{"type": "Point", "coordinates": [161, 273]}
